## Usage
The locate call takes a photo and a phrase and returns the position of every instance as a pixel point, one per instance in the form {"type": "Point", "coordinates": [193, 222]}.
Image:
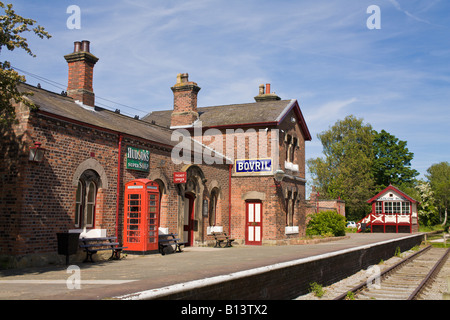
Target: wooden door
{"type": "Point", "coordinates": [253, 230]}
{"type": "Point", "coordinates": [189, 211]}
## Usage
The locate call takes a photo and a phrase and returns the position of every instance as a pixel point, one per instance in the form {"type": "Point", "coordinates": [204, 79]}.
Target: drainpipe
{"type": "Point", "coordinates": [119, 158]}
{"type": "Point", "coordinates": [229, 200]}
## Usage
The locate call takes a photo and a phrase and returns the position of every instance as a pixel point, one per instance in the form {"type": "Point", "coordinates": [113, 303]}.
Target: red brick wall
{"type": "Point", "coordinates": [245, 144]}
{"type": "Point", "coordinates": [38, 199]}
{"type": "Point", "coordinates": [14, 149]}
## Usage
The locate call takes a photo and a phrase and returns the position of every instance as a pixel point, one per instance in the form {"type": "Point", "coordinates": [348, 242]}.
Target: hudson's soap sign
{"type": "Point", "coordinates": [138, 159]}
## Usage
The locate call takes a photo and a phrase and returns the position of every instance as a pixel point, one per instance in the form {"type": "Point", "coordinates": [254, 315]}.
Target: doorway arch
{"type": "Point", "coordinates": [191, 199]}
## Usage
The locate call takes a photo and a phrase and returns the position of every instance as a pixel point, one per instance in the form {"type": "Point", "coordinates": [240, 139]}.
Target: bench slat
{"type": "Point", "coordinates": [167, 240]}
{"type": "Point", "coordinates": [92, 245]}
{"type": "Point", "coordinates": [111, 244]}
{"type": "Point", "coordinates": [97, 239]}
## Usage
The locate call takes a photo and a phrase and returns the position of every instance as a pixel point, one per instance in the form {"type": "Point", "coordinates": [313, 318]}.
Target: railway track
{"type": "Point", "coordinates": [405, 280]}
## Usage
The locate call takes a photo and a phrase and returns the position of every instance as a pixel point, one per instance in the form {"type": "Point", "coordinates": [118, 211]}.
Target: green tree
{"type": "Point", "coordinates": [428, 213]}
{"type": "Point", "coordinates": [392, 162]}
{"type": "Point", "coordinates": [346, 171]}
{"type": "Point", "coordinates": [439, 178]}
{"type": "Point", "coordinates": [12, 26]}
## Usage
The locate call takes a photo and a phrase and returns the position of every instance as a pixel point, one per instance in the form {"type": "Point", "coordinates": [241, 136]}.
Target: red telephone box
{"type": "Point", "coordinates": [141, 216]}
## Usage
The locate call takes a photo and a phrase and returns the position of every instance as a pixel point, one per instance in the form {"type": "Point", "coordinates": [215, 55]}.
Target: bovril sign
{"type": "Point", "coordinates": [253, 166]}
{"type": "Point", "coordinates": [138, 159]}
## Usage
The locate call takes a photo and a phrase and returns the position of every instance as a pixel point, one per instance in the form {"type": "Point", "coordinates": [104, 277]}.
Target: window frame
{"type": "Point", "coordinates": [86, 199]}
{"type": "Point", "coordinates": [90, 204]}
{"type": "Point", "coordinates": [379, 207]}
{"type": "Point", "coordinates": [79, 204]}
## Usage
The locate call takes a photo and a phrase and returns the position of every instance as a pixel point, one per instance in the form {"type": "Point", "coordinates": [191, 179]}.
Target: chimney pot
{"type": "Point", "coordinates": [76, 46]}
{"type": "Point", "coordinates": [261, 89]}
{"type": "Point", "coordinates": [182, 78]}
{"type": "Point", "coordinates": [267, 95]}
{"type": "Point", "coordinates": [85, 45]}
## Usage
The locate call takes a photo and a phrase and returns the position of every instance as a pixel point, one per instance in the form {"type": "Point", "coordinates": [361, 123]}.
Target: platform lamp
{"type": "Point", "coordinates": [36, 153]}
{"type": "Point", "coordinates": [278, 176]}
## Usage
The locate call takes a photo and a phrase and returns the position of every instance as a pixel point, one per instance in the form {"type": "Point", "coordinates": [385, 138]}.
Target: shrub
{"type": "Point", "coordinates": [316, 289]}
{"type": "Point", "coordinates": [326, 223]}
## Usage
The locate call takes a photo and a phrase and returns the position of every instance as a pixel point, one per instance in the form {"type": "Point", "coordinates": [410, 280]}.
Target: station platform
{"type": "Point", "coordinates": [154, 276]}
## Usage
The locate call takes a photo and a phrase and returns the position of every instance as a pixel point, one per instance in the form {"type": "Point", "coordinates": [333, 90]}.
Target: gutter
{"type": "Point", "coordinates": [119, 158]}
{"type": "Point", "coordinates": [229, 199]}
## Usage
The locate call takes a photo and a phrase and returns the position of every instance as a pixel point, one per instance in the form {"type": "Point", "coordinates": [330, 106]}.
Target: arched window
{"type": "Point", "coordinates": [293, 147]}
{"type": "Point", "coordinates": [213, 207]}
{"type": "Point", "coordinates": [288, 147]}
{"type": "Point", "coordinates": [90, 204]}
{"type": "Point", "coordinates": [85, 199]}
{"type": "Point", "coordinates": [289, 209]}
{"type": "Point", "coordinates": [79, 204]}
{"type": "Point", "coordinates": [291, 198]}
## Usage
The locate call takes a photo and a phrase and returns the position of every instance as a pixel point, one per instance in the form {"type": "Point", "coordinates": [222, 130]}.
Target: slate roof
{"type": "Point", "coordinates": [156, 125]}
{"type": "Point", "coordinates": [65, 107]}
{"type": "Point", "coordinates": [248, 114]}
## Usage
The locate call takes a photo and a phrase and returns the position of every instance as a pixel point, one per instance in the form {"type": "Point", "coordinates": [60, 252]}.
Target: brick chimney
{"type": "Point", "coordinates": [184, 101]}
{"type": "Point", "coordinates": [266, 95]}
{"type": "Point", "coordinates": [81, 69]}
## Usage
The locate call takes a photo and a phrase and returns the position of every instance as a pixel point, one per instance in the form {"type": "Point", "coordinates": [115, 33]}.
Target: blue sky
{"type": "Point", "coordinates": [319, 52]}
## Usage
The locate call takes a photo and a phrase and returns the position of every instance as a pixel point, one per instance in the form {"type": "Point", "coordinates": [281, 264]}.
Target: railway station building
{"type": "Point", "coordinates": [68, 166]}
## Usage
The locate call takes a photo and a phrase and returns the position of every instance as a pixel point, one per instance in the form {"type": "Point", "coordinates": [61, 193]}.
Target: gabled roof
{"type": "Point", "coordinates": [264, 113]}
{"type": "Point", "coordinates": [394, 189]}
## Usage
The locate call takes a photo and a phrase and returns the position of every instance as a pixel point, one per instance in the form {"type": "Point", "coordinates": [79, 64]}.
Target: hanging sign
{"type": "Point", "coordinates": [138, 159]}
{"type": "Point", "coordinates": [179, 177]}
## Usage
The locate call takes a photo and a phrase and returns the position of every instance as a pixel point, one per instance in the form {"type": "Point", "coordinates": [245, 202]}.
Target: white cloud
{"type": "Point", "coordinates": [399, 8]}
{"type": "Point", "coordinates": [329, 112]}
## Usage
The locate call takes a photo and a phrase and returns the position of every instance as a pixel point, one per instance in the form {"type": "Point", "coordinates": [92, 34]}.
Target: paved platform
{"type": "Point", "coordinates": [109, 279]}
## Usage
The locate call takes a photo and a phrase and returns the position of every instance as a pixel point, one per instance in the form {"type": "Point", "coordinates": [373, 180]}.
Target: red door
{"type": "Point", "coordinates": [189, 219]}
{"type": "Point", "coordinates": [253, 229]}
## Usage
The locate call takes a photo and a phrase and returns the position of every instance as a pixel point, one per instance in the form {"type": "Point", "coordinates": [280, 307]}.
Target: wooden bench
{"type": "Point", "coordinates": [168, 240]}
{"type": "Point", "coordinates": [222, 237]}
{"type": "Point", "coordinates": [92, 245]}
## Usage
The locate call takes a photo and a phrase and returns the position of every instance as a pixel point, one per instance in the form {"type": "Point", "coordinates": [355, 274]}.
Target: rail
{"type": "Point", "coordinates": [433, 271]}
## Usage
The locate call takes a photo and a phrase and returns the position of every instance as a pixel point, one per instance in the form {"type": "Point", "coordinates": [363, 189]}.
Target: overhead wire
{"type": "Point", "coordinates": [63, 87]}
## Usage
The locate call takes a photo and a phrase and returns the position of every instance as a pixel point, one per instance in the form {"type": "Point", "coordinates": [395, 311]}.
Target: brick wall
{"type": "Point", "coordinates": [13, 162]}
{"type": "Point", "coordinates": [38, 199]}
{"type": "Point", "coordinates": [251, 143]}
